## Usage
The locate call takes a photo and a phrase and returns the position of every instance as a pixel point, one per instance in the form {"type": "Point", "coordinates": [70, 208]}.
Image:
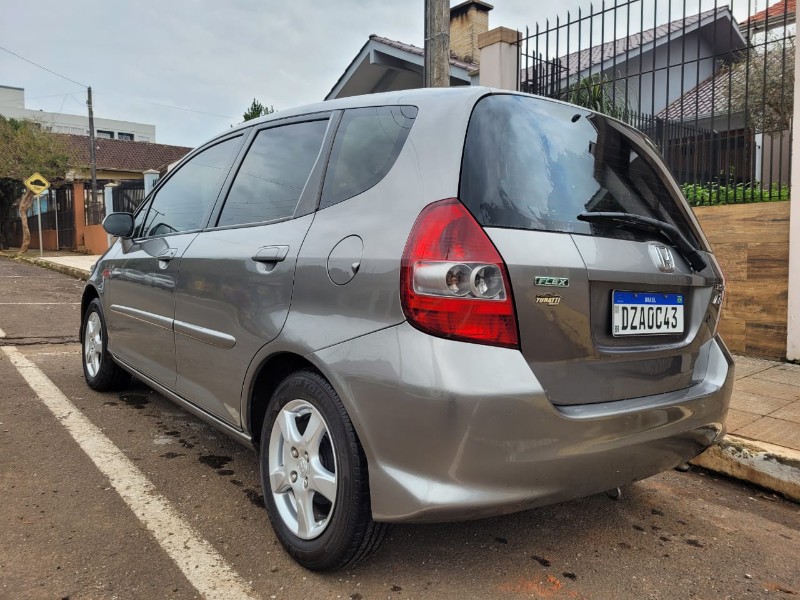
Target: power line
{"type": "Point", "coordinates": [135, 99]}
{"type": "Point", "coordinates": [201, 112]}
{"type": "Point", "coordinates": [43, 68]}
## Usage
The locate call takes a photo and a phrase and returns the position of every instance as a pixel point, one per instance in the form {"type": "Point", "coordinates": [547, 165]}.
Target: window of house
{"type": "Point", "coordinates": [102, 133]}
{"type": "Point", "coordinates": [128, 137]}
{"type": "Point", "coordinates": [273, 174]}
{"type": "Point", "coordinates": [184, 202]}
{"type": "Point", "coordinates": [367, 144]}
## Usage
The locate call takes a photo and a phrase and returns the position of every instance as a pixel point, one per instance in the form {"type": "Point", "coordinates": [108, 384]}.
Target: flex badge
{"type": "Point", "coordinates": [551, 281]}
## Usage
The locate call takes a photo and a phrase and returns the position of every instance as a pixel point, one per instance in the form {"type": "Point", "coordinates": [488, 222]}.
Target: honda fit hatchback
{"type": "Point", "coordinates": [426, 305]}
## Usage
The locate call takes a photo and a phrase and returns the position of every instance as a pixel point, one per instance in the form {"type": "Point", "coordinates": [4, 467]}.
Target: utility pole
{"type": "Point", "coordinates": [92, 157]}
{"type": "Point", "coordinates": [436, 72]}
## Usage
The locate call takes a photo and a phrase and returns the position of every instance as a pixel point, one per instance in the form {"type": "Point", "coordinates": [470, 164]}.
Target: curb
{"type": "Point", "coordinates": [772, 467]}
{"type": "Point", "coordinates": [75, 272]}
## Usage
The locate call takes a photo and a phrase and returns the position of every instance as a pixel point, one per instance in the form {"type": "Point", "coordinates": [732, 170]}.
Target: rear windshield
{"type": "Point", "coordinates": [531, 163]}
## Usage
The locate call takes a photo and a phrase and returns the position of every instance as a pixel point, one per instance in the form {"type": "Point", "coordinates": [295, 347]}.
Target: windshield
{"type": "Point", "coordinates": [530, 163]}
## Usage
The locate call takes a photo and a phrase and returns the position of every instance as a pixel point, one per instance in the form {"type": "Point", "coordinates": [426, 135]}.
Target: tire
{"type": "Point", "coordinates": [317, 495]}
{"type": "Point", "coordinates": [99, 369]}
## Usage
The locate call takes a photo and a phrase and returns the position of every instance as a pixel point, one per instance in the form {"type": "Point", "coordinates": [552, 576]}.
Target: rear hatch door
{"type": "Point", "coordinates": [609, 308]}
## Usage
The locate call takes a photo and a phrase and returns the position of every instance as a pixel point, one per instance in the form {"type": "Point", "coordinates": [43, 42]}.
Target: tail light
{"type": "Point", "coordinates": [453, 282]}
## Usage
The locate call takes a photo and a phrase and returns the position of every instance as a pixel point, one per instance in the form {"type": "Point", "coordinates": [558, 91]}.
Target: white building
{"type": "Point", "coordinates": [12, 106]}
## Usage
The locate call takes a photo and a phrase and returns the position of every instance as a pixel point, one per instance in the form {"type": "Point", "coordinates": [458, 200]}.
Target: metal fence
{"type": "Point", "coordinates": [710, 81]}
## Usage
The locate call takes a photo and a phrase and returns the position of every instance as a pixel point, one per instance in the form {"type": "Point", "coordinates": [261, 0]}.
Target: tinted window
{"type": "Point", "coordinates": [274, 173]}
{"type": "Point", "coordinates": [534, 164]}
{"type": "Point", "coordinates": [367, 143]}
{"type": "Point", "coordinates": [185, 200]}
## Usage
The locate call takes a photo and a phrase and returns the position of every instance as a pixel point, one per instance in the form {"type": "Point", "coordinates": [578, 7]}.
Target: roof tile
{"type": "Point", "coordinates": [120, 155]}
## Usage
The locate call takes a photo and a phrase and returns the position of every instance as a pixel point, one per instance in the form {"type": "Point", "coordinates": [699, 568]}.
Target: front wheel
{"type": "Point", "coordinates": [314, 475]}
{"type": "Point", "coordinates": [99, 369]}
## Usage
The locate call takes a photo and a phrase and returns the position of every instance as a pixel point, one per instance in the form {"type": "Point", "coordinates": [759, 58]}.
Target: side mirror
{"type": "Point", "coordinates": [119, 224]}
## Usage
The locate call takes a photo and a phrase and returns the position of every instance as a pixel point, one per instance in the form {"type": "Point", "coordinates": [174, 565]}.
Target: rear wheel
{"type": "Point", "coordinates": [99, 369]}
{"type": "Point", "coordinates": [314, 475]}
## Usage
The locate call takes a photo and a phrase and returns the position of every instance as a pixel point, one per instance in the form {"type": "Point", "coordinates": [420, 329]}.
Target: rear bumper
{"type": "Point", "coordinates": [454, 430]}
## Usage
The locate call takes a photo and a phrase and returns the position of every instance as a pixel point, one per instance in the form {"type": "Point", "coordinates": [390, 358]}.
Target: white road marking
{"type": "Point", "coordinates": [205, 569]}
{"type": "Point", "coordinates": [39, 303]}
{"type": "Point", "coordinates": [2, 333]}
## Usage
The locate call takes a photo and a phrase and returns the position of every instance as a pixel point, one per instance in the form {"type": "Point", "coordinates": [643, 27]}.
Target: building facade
{"type": "Point", "coordinates": [12, 106]}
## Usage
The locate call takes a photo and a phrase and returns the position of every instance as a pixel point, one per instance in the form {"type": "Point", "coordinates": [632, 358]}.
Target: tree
{"type": "Point", "coordinates": [762, 83]}
{"type": "Point", "coordinates": [257, 110]}
{"type": "Point", "coordinates": [25, 147]}
{"type": "Point", "coordinates": [596, 92]}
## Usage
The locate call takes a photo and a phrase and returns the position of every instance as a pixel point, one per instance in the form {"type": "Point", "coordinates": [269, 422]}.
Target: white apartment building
{"type": "Point", "coordinates": [12, 106]}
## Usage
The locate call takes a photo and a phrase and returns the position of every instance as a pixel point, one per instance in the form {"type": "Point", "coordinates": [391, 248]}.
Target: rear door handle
{"type": "Point", "coordinates": [271, 254]}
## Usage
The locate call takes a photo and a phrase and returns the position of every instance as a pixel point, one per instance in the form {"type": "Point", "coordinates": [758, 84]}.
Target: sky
{"type": "Point", "coordinates": [192, 67]}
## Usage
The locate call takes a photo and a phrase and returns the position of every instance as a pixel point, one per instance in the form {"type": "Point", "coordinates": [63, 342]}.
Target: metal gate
{"type": "Point", "coordinates": [128, 195]}
{"type": "Point", "coordinates": [65, 218]}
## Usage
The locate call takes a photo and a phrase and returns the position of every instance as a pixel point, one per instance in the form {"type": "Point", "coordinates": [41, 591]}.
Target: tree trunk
{"type": "Point", "coordinates": [24, 204]}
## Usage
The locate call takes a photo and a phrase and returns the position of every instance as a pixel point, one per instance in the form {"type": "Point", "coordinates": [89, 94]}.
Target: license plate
{"type": "Point", "coordinates": [646, 313]}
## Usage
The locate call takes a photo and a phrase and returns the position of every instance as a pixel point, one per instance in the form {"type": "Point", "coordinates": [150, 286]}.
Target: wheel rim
{"type": "Point", "coordinates": [93, 344]}
{"type": "Point", "coordinates": [302, 469]}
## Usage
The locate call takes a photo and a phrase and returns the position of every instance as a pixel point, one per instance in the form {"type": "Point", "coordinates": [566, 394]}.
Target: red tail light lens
{"type": "Point", "coordinates": [453, 282]}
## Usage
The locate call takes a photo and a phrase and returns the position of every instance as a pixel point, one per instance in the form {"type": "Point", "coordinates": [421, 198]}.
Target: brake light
{"type": "Point", "coordinates": [453, 282]}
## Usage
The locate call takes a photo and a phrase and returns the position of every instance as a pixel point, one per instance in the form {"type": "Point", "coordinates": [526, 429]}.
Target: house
{"type": "Point", "coordinates": [654, 66]}
{"type": "Point", "coordinates": [779, 15]}
{"type": "Point", "coordinates": [384, 65]}
{"type": "Point", "coordinates": [746, 106]}
{"type": "Point", "coordinates": [71, 216]}
{"type": "Point", "coordinates": [12, 106]}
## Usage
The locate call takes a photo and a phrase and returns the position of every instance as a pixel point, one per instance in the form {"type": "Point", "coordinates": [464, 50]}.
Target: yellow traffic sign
{"type": "Point", "coordinates": [37, 183]}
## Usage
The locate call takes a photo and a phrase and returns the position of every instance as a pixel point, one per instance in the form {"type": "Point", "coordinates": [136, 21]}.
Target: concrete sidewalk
{"type": "Point", "coordinates": [763, 441]}
{"type": "Point", "coordinates": [73, 264]}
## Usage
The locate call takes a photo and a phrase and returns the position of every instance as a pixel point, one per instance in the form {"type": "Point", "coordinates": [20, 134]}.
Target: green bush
{"type": "Point", "coordinates": [712, 194]}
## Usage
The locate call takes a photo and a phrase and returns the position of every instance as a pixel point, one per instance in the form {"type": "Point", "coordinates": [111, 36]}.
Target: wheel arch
{"type": "Point", "coordinates": [268, 375]}
{"type": "Point", "coordinates": [89, 293]}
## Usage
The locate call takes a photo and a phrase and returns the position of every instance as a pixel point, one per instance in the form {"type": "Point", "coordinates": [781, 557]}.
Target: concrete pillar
{"type": "Point", "coordinates": [79, 208]}
{"type": "Point", "coordinates": [793, 320]}
{"type": "Point", "coordinates": [108, 200]}
{"type": "Point", "coordinates": [499, 58]}
{"type": "Point", "coordinates": [150, 179]}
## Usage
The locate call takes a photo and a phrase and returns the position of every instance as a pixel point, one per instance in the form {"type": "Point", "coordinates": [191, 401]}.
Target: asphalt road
{"type": "Point", "coordinates": [67, 530]}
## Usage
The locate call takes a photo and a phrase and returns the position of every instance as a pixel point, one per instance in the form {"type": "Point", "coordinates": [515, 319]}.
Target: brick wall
{"type": "Point", "coordinates": [751, 243]}
{"type": "Point", "coordinates": [465, 27]}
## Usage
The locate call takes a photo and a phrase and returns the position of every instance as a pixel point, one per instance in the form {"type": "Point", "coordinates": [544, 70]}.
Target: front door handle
{"type": "Point", "coordinates": [271, 254]}
{"type": "Point", "coordinates": [167, 254]}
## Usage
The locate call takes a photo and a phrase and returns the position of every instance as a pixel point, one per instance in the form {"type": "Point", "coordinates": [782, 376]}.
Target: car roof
{"type": "Point", "coordinates": [417, 97]}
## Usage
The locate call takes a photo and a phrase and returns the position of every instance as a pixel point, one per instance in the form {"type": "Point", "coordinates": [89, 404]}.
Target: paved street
{"type": "Point", "coordinates": [70, 529]}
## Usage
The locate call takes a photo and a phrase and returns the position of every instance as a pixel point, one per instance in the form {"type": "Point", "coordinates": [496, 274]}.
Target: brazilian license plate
{"type": "Point", "coordinates": [646, 313]}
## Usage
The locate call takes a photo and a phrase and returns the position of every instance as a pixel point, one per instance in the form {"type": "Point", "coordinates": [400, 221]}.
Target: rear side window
{"type": "Point", "coordinates": [367, 144]}
{"type": "Point", "coordinates": [273, 173]}
{"type": "Point", "coordinates": [535, 164]}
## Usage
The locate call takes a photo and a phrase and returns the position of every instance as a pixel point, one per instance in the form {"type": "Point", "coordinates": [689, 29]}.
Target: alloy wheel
{"type": "Point", "coordinates": [93, 344]}
{"type": "Point", "coordinates": [302, 469]}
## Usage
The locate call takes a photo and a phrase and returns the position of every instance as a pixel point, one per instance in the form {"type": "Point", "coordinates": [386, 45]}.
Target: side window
{"type": "Point", "coordinates": [367, 143]}
{"type": "Point", "coordinates": [273, 173]}
{"type": "Point", "coordinates": [186, 198]}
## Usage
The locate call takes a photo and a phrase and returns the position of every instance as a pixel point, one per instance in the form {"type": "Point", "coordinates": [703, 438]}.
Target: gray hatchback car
{"type": "Point", "coordinates": [425, 305]}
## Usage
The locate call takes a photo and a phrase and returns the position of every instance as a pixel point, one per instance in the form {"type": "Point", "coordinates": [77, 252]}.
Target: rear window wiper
{"type": "Point", "coordinates": [687, 250]}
